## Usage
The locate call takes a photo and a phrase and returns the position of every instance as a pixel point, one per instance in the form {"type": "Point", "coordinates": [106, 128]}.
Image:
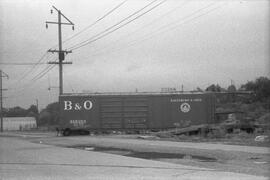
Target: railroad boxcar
{"type": "Point", "coordinates": [134, 111]}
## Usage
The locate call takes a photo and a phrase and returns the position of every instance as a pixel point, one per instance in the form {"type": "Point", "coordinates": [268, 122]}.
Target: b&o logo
{"type": "Point", "coordinates": [87, 105]}
{"type": "Point", "coordinates": [185, 107]}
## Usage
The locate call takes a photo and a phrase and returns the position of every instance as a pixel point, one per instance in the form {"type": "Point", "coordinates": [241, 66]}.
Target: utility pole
{"type": "Point", "coordinates": [2, 74]}
{"type": "Point", "coordinates": [182, 88]}
{"type": "Point", "coordinates": [61, 53]}
{"type": "Point", "coordinates": [37, 105]}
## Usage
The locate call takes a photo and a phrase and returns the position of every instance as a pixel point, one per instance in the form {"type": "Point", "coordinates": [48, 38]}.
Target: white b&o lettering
{"type": "Point", "coordinates": [87, 105]}
{"type": "Point", "coordinates": [68, 105]}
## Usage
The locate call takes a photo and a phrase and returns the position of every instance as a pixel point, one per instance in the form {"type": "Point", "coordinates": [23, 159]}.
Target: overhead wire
{"type": "Point", "coordinates": [37, 77]}
{"type": "Point", "coordinates": [44, 72]}
{"type": "Point", "coordinates": [89, 40]}
{"type": "Point", "coordinates": [16, 86]}
{"type": "Point", "coordinates": [167, 26]}
{"type": "Point", "coordinates": [41, 72]}
{"type": "Point", "coordinates": [94, 23]}
{"type": "Point", "coordinates": [138, 29]}
{"type": "Point", "coordinates": [28, 72]}
{"type": "Point", "coordinates": [21, 64]}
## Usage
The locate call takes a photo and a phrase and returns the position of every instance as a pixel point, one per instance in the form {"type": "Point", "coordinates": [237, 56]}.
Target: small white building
{"type": "Point", "coordinates": [19, 123]}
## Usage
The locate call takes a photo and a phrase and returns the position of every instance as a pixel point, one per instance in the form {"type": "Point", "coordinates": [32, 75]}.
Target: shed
{"type": "Point", "coordinates": [19, 123]}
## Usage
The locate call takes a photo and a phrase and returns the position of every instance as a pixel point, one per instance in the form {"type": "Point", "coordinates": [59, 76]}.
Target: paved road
{"type": "Point", "coordinates": [20, 159]}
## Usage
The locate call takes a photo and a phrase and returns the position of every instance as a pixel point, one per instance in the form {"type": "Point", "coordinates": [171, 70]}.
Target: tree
{"type": "Point", "coordinates": [53, 107]}
{"type": "Point", "coordinates": [50, 115]}
{"type": "Point", "coordinates": [213, 88]}
{"type": "Point", "coordinates": [33, 109]}
{"type": "Point", "coordinates": [232, 88]}
{"type": "Point", "coordinates": [44, 118]}
{"type": "Point", "coordinates": [260, 87]}
{"type": "Point", "coordinates": [16, 112]}
{"type": "Point", "coordinates": [199, 89]}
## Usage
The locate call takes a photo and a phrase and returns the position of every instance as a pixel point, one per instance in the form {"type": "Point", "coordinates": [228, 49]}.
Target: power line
{"type": "Point", "coordinates": [29, 83]}
{"type": "Point", "coordinates": [109, 28]}
{"type": "Point", "coordinates": [91, 25]}
{"type": "Point", "coordinates": [21, 64]}
{"type": "Point", "coordinates": [40, 73]}
{"type": "Point", "coordinates": [37, 77]}
{"type": "Point", "coordinates": [167, 26]}
{"type": "Point", "coordinates": [44, 73]}
{"type": "Point", "coordinates": [136, 12]}
{"type": "Point", "coordinates": [28, 72]}
{"type": "Point", "coordinates": [132, 33]}
{"type": "Point", "coordinates": [121, 25]}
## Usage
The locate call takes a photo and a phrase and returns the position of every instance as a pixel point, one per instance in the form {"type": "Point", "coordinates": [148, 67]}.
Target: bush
{"type": "Point", "coordinates": [217, 133]}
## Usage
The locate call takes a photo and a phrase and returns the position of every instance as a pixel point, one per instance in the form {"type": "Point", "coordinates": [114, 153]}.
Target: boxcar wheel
{"type": "Point", "coordinates": [67, 132]}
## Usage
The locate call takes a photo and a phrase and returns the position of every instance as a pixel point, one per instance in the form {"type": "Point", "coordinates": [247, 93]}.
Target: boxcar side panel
{"type": "Point", "coordinates": [136, 111]}
{"type": "Point", "coordinates": [111, 112]}
{"type": "Point", "coordinates": [159, 112]}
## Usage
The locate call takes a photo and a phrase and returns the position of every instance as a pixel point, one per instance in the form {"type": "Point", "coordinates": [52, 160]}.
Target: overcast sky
{"type": "Point", "coordinates": [194, 43]}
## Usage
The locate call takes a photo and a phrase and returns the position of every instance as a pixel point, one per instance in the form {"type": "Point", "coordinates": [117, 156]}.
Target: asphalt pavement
{"type": "Point", "coordinates": [21, 159]}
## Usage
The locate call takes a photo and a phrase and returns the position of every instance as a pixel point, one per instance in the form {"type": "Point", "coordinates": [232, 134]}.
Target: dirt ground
{"type": "Point", "coordinates": [230, 161]}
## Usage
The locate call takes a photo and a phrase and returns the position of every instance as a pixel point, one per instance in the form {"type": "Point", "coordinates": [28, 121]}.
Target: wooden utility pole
{"type": "Point", "coordinates": [2, 74]}
{"type": "Point", "coordinates": [182, 88]}
{"type": "Point", "coordinates": [37, 105]}
{"type": "Point", "coordinates": [61, 53]}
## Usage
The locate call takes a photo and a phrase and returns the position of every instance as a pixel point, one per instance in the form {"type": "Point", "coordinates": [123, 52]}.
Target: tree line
{"type": "Point", "coordinates": [18, 111]}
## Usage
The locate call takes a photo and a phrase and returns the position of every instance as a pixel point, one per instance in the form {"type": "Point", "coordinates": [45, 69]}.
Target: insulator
{"type": "Point", "coordinates": [46, 26]}
{"type": "Point", "coordinates": [51, 11]}
{"type": "Point", "coordinates": [73, 28]}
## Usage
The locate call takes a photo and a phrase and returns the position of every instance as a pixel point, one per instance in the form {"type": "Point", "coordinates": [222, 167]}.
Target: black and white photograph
{"type": "Point", "coordinates": [134, 89]}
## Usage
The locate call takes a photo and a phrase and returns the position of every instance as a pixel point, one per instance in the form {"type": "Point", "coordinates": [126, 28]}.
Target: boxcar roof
{"type": "Point", "coordinates": [132, 93]}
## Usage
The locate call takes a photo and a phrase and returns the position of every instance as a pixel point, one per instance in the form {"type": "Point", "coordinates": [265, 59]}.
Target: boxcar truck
{"type": "Point", "coordinates": [134, 111]}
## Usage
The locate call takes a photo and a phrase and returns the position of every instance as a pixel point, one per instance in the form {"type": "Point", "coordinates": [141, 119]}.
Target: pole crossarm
{"type": "Point", "coordinates": [53, 51]}
{"type": "Point", "coordinates": [52, 87]}
{"type": "Point", "coordinates": [51, 22]}
{"type": "Point", "coordinates": [53, 62]}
